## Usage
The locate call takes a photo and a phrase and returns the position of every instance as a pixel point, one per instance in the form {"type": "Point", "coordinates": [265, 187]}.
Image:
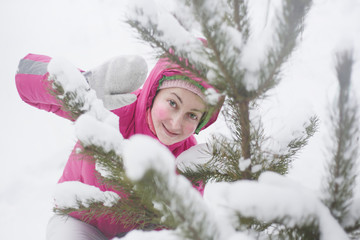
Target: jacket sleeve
{"type": "Point", "coordinates": [33, 86]}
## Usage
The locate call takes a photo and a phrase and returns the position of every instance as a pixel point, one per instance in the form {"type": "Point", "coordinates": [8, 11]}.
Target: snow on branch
{"type": "Point", "coordinates": [220, 24]}
{"type": "Point", "coordinates": [67, 75]}
{"type": "Point", "coordinates": [352, 220]}
{"type": "Point", "coordinates": [100, 143]}
{"type": "Point", "coordinates": [91, 131]}
{"type": "Point", "coordinates": [153, 156]}
{"type": "Point", "coordinates": [273, 198]}
{"type": "Point", "coordinates": [342, 167]}
{"type": "Point", "coordinates": [170, 235]}
{"type": "Point", "coordinates": [154, 235]}
{"type": "Point", "coordinates": [170, 34]}
{"type": "Point", "coordinates": [72, 90]}
{"type": "Point", "coordinates": [166, 30]}
{"type": "Point", "coordinates": [265, 69]}
{"type": "Point", "coordinates": [74, 194]}
{"type": "Point", "coordinates": [95, 126]}
{"type": "Point", "coordinates": [193, 218]}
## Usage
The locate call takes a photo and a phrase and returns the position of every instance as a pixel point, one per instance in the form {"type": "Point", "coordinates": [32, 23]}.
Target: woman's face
{"type": "Point", "coordinates": [175, 113]}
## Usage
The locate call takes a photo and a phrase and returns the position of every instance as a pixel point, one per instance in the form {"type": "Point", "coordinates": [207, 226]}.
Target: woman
{"type": "Point", "coordinates": [170, 107]}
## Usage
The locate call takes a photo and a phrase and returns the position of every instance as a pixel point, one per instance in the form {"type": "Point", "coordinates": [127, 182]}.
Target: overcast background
{"type": "Point", "coordinates": [34, 145]}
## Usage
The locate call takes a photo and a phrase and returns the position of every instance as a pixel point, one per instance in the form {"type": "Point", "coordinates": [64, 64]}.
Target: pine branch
{"type": "Point", "coordinates": [150, 33]}
{"type": "Point", "coordinates": [281, 162]}
{"type": "Point", "coordinates": [351, 223]}
{"type": "Point", "coordinates": [136, 215]}
{"type": "Point", "coordinates": [228, 75]}
{"type": "Point", "coordinates": [299, 211]}
{"type": "Point", "coordinates": [70, 102]}
{"type": "Point", "coordinates": [93, 124]}
{"type": "Point", "coordinates": [340, 182]}
{"type": "Point", "coordinates": [230, 161]}
{"type": "Point", "coordinates": [135, 202]}
{"type": "Point", "coordinates": [74, 94]}
{"type": "Point", "coordinates": [227, 157]}
{"type": "Point", "coordinates": [224, 165]}
{"type": "Point", "coordinates": [277, 230]}
{"type": "Point", "coordinates": [355, 234]}
{"type": "Point", "coordinates": [290, 25]}
{"type": "Point", "coordinates": [187, 211]}
{"type": "Point", "coordinates": [354, 229]}
{"type": "Point", "coordinates": [237, 117]}
{"type": "Point", "coordinates": [309, 231]}
{"type": "Point", "coordinates": [217, 40]}
{"type": "Point", "coordinates": [139, 209]}
{"type": "Point", "coordinates": [241, 18]}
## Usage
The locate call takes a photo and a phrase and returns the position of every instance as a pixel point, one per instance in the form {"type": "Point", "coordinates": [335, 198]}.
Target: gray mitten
{"type": "Point", "coordinates": [114, 80]}
{"type": "Point", "coordinates": [197, 155]}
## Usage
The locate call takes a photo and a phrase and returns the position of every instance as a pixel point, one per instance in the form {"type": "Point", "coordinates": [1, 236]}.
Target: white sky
{"type": "Point", "coordinates": [35, 145]}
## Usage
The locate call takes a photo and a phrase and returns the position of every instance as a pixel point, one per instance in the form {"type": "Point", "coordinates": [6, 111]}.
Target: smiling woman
{"type": "Point", "coordinates": [170, 108]}
{"type": "Point", "coordinates": [175, 114]}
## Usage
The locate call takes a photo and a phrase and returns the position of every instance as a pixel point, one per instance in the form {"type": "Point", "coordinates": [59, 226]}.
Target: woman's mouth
{"type": "Point", "coordinates": [169, 133]}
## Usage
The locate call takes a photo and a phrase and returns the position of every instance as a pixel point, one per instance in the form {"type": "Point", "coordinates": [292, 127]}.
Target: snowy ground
{"type": "Point", "coordinates": [34, 145]}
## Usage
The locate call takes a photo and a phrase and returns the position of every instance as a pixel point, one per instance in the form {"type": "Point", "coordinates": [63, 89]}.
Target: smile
{"type": "Point", "coordinates": [169, 133]}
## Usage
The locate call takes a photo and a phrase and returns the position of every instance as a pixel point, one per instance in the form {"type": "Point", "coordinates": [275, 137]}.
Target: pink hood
{"type": "Point", "coordinates": [132, 116]}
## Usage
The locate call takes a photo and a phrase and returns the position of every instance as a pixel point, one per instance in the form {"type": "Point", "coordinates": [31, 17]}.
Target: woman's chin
{"type": "Point", "coordinates": [166, 141]}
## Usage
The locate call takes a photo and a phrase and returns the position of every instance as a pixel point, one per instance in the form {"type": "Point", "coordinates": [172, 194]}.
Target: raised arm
{"type": "Point", "coordinates": [113, 82]}
{"type": "Point", "coordinates": [33, 87]}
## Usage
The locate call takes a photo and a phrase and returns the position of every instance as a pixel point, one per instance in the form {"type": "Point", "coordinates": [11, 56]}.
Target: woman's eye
{"type": "Point", "coordinates": [172, 103]}
{"type": "Point", "coordinates": [193, 116]}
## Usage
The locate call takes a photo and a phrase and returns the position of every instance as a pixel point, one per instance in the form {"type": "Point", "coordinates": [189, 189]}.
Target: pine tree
{"type": "Point", "coordinates": [225, 25]}
{"type": "Point", "coordinates": [241, 163]}
{"type": "Point", "coordinates": [342, 169]}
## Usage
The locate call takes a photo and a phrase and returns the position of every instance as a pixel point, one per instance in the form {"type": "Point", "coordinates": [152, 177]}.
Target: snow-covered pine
{"type": "Point", "coordinates": [255, 208]}
{"type": "Point", "coordinates": [153, 171]}
{"type": "Point", "coordinates": [289, 211]}
{"type": "Point", "coordinates": [100, 141]}
{"type": "Point", "coordinates": [225, 62]}
{"type": "Point", "coordinates": [74, 93]}
{"type": "Point", "coordinates": [162, 203]}
{"type": "Point", "coordinates": [228, 62]}
{"type": "Point", "coordinates": [292, 211]}
{"type": "Point", "coordinates": [342, 165]}
{"type": "Point", "coordinates": [258, 75]}
{"type": "Point", "coordinates": [76, 194]}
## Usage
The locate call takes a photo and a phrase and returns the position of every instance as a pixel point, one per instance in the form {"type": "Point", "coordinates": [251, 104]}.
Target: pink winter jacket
{"type": "Point", "coordinates": [33, 89]}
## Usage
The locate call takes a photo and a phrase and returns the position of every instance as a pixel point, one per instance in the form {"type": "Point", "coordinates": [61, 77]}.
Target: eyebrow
{"type": "Point", "coordinates": [177, 97]}
{"type": "Point", "coordinates": [194, 109]}
{"type": "Point", "coordinates": [197, 110]}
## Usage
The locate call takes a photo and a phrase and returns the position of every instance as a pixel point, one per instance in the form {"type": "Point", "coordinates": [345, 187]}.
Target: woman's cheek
{"type": "Point", "coordinates": [190, 128]}
{"type": "Point", "coordinates": [162, 112]}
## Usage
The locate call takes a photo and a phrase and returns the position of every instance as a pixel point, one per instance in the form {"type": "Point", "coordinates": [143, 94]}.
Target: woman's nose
{"type": "Point", "coordinates": [176, 121]}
